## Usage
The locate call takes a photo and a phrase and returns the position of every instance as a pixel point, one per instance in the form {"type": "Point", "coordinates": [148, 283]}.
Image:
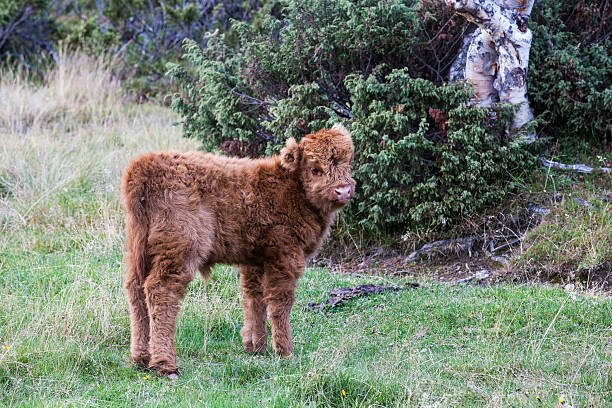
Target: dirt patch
{"type": "Point", "coordinates": [449, 269]}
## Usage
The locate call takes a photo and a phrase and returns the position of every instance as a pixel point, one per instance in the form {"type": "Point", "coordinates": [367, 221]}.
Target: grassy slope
{"type": "Point", "coordinates": [574, 242]}
{"type": "Point", "coordinates": [64, 329]}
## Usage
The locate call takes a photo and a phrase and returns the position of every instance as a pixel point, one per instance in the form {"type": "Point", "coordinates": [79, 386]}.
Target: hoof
{"type": "Point", "coordinates": [170, 375]}
{"type": "Point", "coordinates": [255, 349]}
{"type": "Point", "coordinates": [260, 350]}
{"type": "Point", "coordinates": [141, 361]}
{"type": "Point", "coordinates": [248, 346]}
{"type": "Point", "coordinates": [283, 350]}
{"type": "Point", "coordinates": [284, 354]}
{"type": "Point", "coordinates": [260, 344]}
{"type": "Point", "coordinates": [165, 370]}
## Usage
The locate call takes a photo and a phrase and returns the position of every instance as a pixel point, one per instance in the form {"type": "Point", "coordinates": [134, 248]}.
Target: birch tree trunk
{"type": "Point", "coordinates": [495, 57]}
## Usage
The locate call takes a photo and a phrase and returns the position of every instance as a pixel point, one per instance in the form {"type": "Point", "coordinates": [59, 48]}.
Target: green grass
{"type": "Point", "coordinates": [64, 327]}
{"type": "Point", "coordinates": [64, 332]}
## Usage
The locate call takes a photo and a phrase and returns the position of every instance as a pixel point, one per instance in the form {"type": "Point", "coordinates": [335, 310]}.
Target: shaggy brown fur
{"type": "Point", "coordinates": [190, 211]}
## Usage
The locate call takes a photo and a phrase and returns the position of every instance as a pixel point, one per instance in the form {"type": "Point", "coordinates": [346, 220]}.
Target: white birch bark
{"type": "Point", "coordinates": [497, 53]}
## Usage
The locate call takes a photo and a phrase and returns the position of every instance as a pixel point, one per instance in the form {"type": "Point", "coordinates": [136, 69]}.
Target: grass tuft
{"type": "Point", "coordinates": [573, 244]}
{"type": "Point", "coordinates": [78, 90]}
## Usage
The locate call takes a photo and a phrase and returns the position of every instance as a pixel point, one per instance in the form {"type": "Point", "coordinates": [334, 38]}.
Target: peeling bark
{"type": "Point", "coordinates": [481, 68]}
{"type": "Point", "coordinates": [495, 57]}
{"type": "Point", "coordinates": [457, 70]}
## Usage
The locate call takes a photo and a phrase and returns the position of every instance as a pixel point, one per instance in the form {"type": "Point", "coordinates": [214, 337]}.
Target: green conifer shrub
{"type": "Point", "coordinates": [570, 69]}
{"type": "Point", "coordinates": [424, 156]}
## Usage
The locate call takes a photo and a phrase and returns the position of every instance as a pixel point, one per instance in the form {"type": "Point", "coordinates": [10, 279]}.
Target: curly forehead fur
{"type": "Point", "coordinates": [330, 145]}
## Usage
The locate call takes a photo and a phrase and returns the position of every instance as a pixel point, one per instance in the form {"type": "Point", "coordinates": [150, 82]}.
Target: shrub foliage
{"type": "Point", "coordinates": [424, 157]}
{"type": "Point", "coordinates": [142, 35]}
{"type": "Point", "coordinates": [26, 29]}
{"type": "Point", "coordinates": [570, 72]}
{"type": "Point", "coordinates": [569, 78]}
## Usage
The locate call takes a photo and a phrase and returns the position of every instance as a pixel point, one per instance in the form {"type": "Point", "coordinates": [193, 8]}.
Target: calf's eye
{"type": "Point", "coordinates": [316, 172]}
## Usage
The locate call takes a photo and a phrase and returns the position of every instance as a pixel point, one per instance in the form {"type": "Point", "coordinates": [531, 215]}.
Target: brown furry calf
{"type": "Point", "coordinates": [190, 211]}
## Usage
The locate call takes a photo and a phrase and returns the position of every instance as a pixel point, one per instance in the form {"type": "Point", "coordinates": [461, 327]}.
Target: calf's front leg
{"type": "Point", "coordinates": [254, 332]}
{"type": "Point", "coordinates": [279, 294]}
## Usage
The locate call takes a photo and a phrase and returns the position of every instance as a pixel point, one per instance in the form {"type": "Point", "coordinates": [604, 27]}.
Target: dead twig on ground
{"type": "Point", "coordinates": [444, 246]}
{"type": "Point", "coordinates": [341, 295]}
{"type": "Point", "coordinates": [580, 168]}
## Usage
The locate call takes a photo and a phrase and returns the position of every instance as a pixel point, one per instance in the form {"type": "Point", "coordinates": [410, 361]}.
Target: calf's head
{"type": "Point", "coordinates": [322, 162]}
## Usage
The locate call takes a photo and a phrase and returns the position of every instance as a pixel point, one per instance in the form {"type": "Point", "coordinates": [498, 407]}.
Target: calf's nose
{"type": "Point", "coordinates": [344, 193]}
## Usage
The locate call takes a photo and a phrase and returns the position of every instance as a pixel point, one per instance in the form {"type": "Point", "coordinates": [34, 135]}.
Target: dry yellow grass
{"type": "Point", "coordinates": [73, 132]}
{"type": "Point", "coordinates": [79, 90]}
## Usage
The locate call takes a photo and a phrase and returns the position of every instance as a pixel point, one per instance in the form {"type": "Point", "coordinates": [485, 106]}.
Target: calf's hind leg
{"type": "Point", "coordinates": [172, 268]}
{"type": "Point", "coordinates": [139, 320]}
{"type": "Point", "coordinates": [254, 332]}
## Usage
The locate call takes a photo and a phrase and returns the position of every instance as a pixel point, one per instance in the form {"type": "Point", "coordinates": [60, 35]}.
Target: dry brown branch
{"type": "Point", "coordinates": [341, 295]}
{"type": "Point", "coordinates": [579, 168]}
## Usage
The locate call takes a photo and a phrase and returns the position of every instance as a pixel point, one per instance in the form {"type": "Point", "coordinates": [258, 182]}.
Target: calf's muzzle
{"type": "Point", "coordinates": [344, 193]}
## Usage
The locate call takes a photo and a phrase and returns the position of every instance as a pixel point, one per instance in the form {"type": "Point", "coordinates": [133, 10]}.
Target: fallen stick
{"type": "Point", "coordinates": [507, 244]}
{"type": "Point", "coordinates": [443, 247]}
{"type": "Point", "coordinates": [580, 168]}
{"type": "Point", "coordinates": [341, 295]}
{"type": "Point", "coordinates": [478, 276]}
{"type": "Point", "coordinates": [536, 209]}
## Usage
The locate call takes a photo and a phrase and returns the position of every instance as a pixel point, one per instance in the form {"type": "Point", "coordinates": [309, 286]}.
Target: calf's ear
{"type": "Point", "coordinates": [290, 155]}
{"type": "Point", "coordinates": [339, 127]}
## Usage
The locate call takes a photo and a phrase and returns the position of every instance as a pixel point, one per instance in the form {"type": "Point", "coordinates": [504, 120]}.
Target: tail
{"type": "Point", "coordinates": [133, 195]}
